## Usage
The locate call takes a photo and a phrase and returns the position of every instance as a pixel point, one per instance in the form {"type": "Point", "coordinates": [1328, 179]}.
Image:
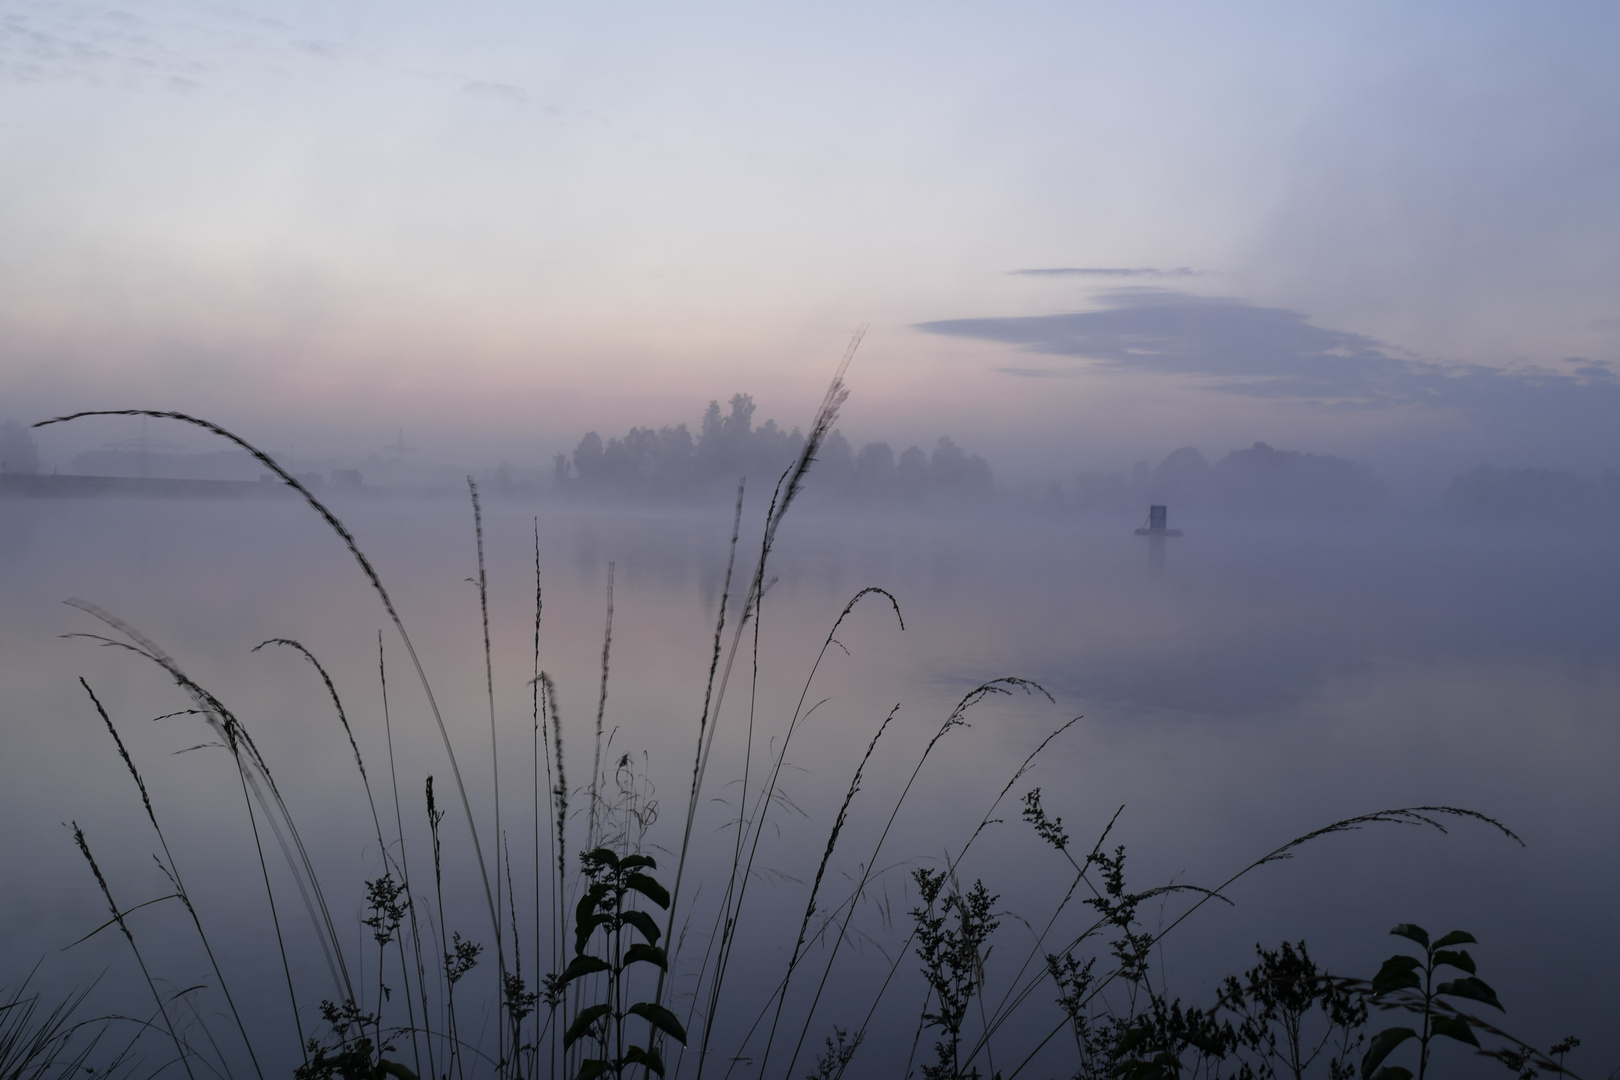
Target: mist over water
{"type": "Point", "coordinates": [1240, 685]}
{"type": "Point", "coordinates": [1335, 283]}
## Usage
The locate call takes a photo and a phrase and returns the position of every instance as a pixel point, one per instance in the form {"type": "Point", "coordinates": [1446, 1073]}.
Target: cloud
{"type": "Point", "coordinates": [1239, 348]}
{"type": "Point", "coordinates": [312, 47]}
{"type": "Point", "coordinates": [53, 43]}
{"type": "Point", "coordinates": [506, 91]}
{"type": "Point", "coordinates": [1108, 272]}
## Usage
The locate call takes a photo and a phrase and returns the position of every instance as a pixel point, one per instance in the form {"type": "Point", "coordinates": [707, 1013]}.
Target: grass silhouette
{"type": "Point", "coordinates": [612, 925]}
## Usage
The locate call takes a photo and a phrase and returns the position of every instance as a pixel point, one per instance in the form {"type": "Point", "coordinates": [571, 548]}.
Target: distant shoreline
{"type": "Point", "coordinates": [73, 486]}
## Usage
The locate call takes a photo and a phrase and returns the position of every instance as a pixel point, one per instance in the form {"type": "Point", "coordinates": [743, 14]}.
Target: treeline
{"type": "Point", "coordinates": [670, 464]}
{"type": "Point", "coordinates": [1259, 480]}
{"type": "Point", "coordinates": [18, 451]}
{"type": "Point", "coordinates": [1553, 495]}
{"type": "Point", "coordinates": [1263, 480]}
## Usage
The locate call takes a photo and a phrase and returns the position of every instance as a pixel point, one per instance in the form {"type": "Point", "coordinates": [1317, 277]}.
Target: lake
{"type": "Point", "coordinates": [1244, 684]}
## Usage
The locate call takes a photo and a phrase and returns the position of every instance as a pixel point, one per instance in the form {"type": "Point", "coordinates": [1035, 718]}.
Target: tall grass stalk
{"type": "Point", "coordinates": [448, 978]}
{"type": "Point", "coordinates": [957, 718]}
{"type": "Point", "coordinates": [593, 800]}
{"type": "Point", "coordinates": [256, 778]}
{"type": "Point", "coordinates": [751, 828]}
{"type": "Point", "coordinates": [249, 764]}
{"type": "Point", "coordinates": [518, 1000]}
{"type": "Point", "coordinates": [1009, 1002]}
{"type": "Point", "coordinates": [404, 872]}
{"type": "Point", "coordinates": [787, 490]}
{"type": "Point", "coordinates": [36, 1042]}
{"type": "Point", "coordinates": [540, 746]}
{"type": "Point", "coordinates": [595, 1001]}
{"type": "Point", "coordinates": [839, 821]}
{"type": "Point", "coordinates": [697, 762]}
{"type": "Point", "coordinates": [343, 719]}
{"type": "Point", "coordinates": [180, 1048]}
{"type": "Point", "coordinates": [172, 871]}
{"type": "Point", "coordinates": [376, 820]}
{"type": "Point", "coordinates": [370, 572]}
{"type": "Point", "coordinates": [558, 802]}
{"type": "Point", "coordinates": [1418, 816]}
{"type": "Point", "coordinates": [756, 824]}
{"type": "Point", "coordinates": [494, 761]}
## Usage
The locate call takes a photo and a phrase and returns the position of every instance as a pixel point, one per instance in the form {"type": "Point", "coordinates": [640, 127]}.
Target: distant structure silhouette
{"type": "Point", "coordinates": [143, 448]}
{"type": "Point", "coordinates": [398, 446]}
{"type": "Point", "coordinates": [1158, 523]}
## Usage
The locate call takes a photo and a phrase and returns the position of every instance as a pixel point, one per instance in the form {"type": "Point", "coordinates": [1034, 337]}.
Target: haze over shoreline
{"type": "Point", "coordinates": [1082, 235]}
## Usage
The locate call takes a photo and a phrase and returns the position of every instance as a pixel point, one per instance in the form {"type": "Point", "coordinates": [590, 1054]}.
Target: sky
{"type": "Point", "coordinates": [1079, 233]}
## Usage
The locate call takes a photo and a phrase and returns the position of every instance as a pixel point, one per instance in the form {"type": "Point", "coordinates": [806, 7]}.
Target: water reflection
{"type": "Point", "coordinates": [1259, 681]}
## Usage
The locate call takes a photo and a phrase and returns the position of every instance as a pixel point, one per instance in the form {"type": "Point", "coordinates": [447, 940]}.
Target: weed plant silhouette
{"type": "Point", "coordinates": [612, 932]}
{"type": "Point", "coordinates": [1407, 983]}
{"type": "Point", "coordinates": [1288, 1013]}
{"type": "Point", "coordinates": [614, 883]}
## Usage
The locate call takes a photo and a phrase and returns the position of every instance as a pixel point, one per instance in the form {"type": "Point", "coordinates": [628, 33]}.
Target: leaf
{"type": "Point", "coordinates": [636, 862]}
{"type": "Point", "coordinates": [1413, 931]}
{"type": "Point", "coordinates": [588, 902]}
{"type": "Point", "coordinates": [660, 1018]}
{"type": "Point", "coordinates": [1456, 937]}
{"type": "Point", "coordinates": [1457, 959]}
{"type": "Point", "coordinates": [1471, 988]}
{"type": "Point", "coordinates": [1393, 1072]}
{"type": "Point", "coordinates": [582, 1023]}
{"type": "Point", "coordinates": [586, 927]}
{"type": "Point", "coordinates": [580, 966]}
{"type": "Point", "coordinates": [591, 1068]}
{"type": "Point", "coordinates": [1453, 1027]}
{"type": "Point", "coordinates": [643, 922]}
{"type": "Point", "coordinates": [1162, 1067]}
{"type": "Point", "coordinates": [604, 856]}
{"type": "Point", "coordinates": [1380, 1047]}
{"type": "Point", "coordinates": [1129, 1041]}
{"type": "Point", "coordinates": [649, 1057]}
{"type": "Point", "coordinates": [648, 887]}
{"type": "Point", "coordinates": [1398, 973]}
{"type": "Point", "coordinates": [1146, 1070]}
{"type": "Point", "coordinates": [651, 954]}
{"type": "Point", "coordinates": [1206, 1042]}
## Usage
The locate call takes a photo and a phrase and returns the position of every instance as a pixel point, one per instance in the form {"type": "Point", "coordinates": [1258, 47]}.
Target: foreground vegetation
{"type": "Point", "coordinates": [625, 973]}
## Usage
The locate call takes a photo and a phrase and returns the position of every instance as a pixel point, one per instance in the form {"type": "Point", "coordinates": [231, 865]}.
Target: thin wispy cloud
{"type": "Point", "coordinates": [1108, 272]}
{"type": "Point", "coordinates": [505, 91]}
{"type": "Point", "coordinates": [1234, 347]}
{"type": "Point", "coordinates": [313, 47]}
{"type": "Point", "coordinates": [53, 45]}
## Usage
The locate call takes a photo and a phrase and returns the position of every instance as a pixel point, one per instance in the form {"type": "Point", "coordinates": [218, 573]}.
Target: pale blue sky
{"type": "Point", "coordinates": [499, 224]}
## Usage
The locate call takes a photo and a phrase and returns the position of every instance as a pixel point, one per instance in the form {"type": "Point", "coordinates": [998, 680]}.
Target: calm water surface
{"type": "Point", "coordinates": [1255, 682]}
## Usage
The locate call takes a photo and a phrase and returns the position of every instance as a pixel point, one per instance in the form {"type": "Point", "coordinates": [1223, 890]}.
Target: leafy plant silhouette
{"type": "Point", "coordinates": [950, 942]}
{"type": "Point", "coordinates": [1407, 982]}
{"type": "Point", "coordinates": [1274, 1003]}
{"type": "Point", "coordinates": [1143, 1033]}
{"type": "Point", "coordinates": [604, 906]}
{"type": "Point", "coordinates": [1279, 1020]}
{"type": "Point", "coordinates": [350, 1053]}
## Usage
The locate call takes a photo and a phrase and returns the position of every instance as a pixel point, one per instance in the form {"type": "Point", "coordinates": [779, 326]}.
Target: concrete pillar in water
{"type": "Point", "coordinates": [1158, 523]}
{"type": "Point", "coordinates": [1157, 528]}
